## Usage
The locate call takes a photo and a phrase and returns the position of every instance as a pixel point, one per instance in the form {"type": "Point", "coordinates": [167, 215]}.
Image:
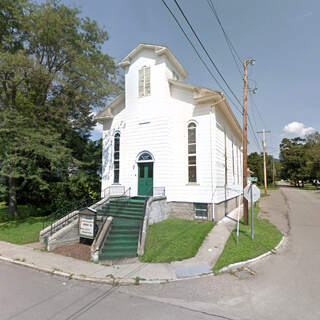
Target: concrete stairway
{"type": "Point", "coordinates": [126, 224]}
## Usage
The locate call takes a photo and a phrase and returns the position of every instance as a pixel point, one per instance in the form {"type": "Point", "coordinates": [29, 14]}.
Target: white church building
{"type": "Point", "coordinates": [164, 136]}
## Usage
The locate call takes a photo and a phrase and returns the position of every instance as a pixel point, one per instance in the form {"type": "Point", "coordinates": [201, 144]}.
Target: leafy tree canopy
{"type": "Point", "coordinates": [53, 73]}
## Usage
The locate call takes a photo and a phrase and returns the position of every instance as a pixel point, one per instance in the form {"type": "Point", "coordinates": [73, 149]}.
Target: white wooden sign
{"type": "Point", "coordinates": [86, 227]}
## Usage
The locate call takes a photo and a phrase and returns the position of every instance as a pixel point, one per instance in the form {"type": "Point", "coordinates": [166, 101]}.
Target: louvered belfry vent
{"type": "Point", "coordinates": [144, 82]}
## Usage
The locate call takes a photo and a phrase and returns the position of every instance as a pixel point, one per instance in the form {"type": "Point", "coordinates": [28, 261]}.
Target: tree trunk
{"type": "Point", "coordinates": [12, 209]}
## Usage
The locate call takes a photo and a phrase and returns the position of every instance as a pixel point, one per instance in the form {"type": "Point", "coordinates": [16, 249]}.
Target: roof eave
{"type": "Point", "coordinates": [106, 113]}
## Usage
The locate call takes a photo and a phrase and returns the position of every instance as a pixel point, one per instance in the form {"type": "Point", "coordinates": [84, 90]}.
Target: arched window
{"type": "Point", "coordinates": [145, 157]}
{"type": "Point", "coordinates": [116, 159]}
{"type": "Point", "coordinates": [192, 158]}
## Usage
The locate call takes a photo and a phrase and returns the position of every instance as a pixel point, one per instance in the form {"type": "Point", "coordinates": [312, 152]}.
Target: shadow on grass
{"type": "Point", "coordinates": [18, 222]}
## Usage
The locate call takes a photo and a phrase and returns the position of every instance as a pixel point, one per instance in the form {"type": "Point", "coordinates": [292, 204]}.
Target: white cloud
{"type": "Point", "coordinates": [298, 129]}
{"type": "Point", "coordinates": [98, 128]}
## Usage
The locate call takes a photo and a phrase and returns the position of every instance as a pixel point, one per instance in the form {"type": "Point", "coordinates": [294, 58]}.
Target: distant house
{"type": "Point", "coordinates": [164, 135]}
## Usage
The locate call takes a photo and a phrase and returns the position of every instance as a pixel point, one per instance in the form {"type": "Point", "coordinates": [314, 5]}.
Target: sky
{"type": "Point", "coordinates": [282, 36]}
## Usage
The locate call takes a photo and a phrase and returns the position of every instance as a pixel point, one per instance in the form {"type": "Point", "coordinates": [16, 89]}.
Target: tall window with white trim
{"type": "Point", "coordinates": [144, 81]}
{"type": "Point", "coordinates": [192, 157]}
{"type": "Point", "coordinates": [116, 159]}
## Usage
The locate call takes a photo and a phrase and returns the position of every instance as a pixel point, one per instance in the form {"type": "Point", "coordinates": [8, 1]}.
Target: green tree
{"type": "Point", "coordinates": [52, 74]}
{"type": "Point", "coordinates": [313, 155]}
{"type": "Point", "coordinates": [294, 159]}
{"type": "Point", "coordinates": [255, 164]}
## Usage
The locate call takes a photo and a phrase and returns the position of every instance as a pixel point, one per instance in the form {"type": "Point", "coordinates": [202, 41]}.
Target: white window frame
{"type": "Point", "coordinates": [117, 136]}
{"type": "Point", "coordinates": [192, 154]}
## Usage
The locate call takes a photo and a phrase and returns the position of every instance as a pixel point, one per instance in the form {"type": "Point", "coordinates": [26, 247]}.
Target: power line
{"type": "Point", "coordinates": [235, 55]}
{"type": "Point", "coordinates": [258, 111]}
{"type": "Point", "coordinates": [206, 66]}
{"type": "Point", "coordinates": [206, 52]}
{"type": "Point", "coordinates": [232, 49]}
{"type": "Point", "coordinates": [199, 56]}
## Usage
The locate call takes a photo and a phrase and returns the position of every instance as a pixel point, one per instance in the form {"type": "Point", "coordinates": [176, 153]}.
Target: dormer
{"type": "Point", "coordinates": [148, 69]}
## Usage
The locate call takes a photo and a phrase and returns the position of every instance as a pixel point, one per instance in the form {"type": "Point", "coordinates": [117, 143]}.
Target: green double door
{"type": "Point", "coordinates": [145, 179]}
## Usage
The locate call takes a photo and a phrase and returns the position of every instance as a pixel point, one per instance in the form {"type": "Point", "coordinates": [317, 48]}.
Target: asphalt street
{"type": "Point", "coordinates": [283, 286]}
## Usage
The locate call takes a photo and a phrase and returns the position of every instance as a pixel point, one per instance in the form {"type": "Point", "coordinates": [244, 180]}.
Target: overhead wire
{"type": "Point", "coordinates": [199, 56]}
{"type": "Point", "coordinates": [232, 49]}
{"type": "Point", "coordinates": [206, 52]}
{"type": "Point", "coordinates": [212, 62]}
{"type": "Point", "coordinates": [238, 63]}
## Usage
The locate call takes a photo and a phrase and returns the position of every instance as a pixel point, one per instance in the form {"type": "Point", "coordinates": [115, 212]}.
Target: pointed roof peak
{"type": "Point", "coordinates": [159, 50]}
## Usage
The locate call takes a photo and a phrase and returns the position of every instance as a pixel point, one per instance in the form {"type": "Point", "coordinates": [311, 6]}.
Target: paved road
{"type": "Point", "coordinates": [286, 285]}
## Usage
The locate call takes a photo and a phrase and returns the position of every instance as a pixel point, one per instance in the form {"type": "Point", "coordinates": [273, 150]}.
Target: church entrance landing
{"type": "Point", "coordinates": [145, 174]}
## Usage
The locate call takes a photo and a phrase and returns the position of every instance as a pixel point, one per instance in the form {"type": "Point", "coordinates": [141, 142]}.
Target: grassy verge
{"type": "Point", "coordinates": [307, 187]}
{"type": "Point", "coordinates": [174, 239]}
{"type": "Point", "coordinates": [269, 187]}
{"type": "Point", "coordinates": [266, 237]}
{"type": "Point", "coordinates": [21, 231]}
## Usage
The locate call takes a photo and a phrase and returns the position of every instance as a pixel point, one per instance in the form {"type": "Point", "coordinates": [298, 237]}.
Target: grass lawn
{"type": "Point", "coordinates": [21, 231]}
{"type": "Point", "coordinates": [266, 237]}
{"type": "Point", "coordinates": [24, 211]}
{"type": "Point", "coordinates": [174, 239]}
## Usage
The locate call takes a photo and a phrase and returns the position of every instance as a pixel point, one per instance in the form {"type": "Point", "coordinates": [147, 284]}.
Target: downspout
{"type": "Point", "coordinates": [213, 190]}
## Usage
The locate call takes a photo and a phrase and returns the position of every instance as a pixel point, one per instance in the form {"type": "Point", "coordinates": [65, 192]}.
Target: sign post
{"type": "Point", "coordinates": [252, 193]}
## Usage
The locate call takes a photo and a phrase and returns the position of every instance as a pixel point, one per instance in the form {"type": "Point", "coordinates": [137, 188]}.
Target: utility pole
{"type": "Point", "coordinates": [273, 171]}
{"type": "Point", "coordinates": [264, 158]}
{"type": "Point", "coordinates": [245, 135]}
{"type": "Point", "coordinates": [245, 140]}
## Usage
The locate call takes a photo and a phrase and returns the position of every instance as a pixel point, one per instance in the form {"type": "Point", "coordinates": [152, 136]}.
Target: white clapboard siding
{"type": "Point", "coordinates": [154, 117]}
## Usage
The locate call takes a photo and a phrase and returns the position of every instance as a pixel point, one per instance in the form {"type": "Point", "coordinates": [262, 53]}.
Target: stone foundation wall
{"type": "Point", "coordinates": [185, 210]}
{"type": "Point", "coordinates": [223, 208]}
{"type": "Point", "coordinates": [182, 210]}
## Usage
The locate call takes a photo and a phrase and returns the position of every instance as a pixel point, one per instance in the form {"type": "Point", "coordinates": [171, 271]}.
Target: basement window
{"type": "Point", "coordinates": [201, 211]}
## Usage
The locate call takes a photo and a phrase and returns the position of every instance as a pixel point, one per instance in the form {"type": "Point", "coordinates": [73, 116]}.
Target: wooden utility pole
{"type": "Point", "coordinates": [245, 140]}
{"type": "Point", "coordinates": [264, 159]}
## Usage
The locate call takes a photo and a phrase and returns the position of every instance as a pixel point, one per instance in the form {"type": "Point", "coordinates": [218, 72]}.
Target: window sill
{"type": "Point", "coordinates": [192, 184]}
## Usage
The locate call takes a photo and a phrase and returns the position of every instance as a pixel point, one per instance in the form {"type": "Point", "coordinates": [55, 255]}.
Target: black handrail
{"type": "Point", "coordinates": [61, 212]}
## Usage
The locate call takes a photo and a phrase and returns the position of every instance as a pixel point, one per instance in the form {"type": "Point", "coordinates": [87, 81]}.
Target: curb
{"type": "Point", "coordinates": [70, 276]}
{"type": "Point", "coordinates": [118, 281]}
{"type": "Point", "coordinates": [240, 264]}
{"type": "Point", "coordinates": [110, 281]}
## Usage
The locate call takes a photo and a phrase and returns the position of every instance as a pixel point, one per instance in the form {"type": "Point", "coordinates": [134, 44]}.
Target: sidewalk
{"type": "Point", "coordinates": [128, 273]}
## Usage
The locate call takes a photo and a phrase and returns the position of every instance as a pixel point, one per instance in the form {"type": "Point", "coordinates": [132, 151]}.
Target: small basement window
{"type": "Point", "coordinates": [201, 211]}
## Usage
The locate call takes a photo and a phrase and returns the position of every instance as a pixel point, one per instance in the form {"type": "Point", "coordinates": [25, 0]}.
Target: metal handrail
{"type": "Point", "coordinates": [161, 189]}
{"type": "Point", "coordinates": [110, 188]}
{"type": "Point", "coordinates": [124, 195]}
{"type": "Point", "coordinates": [64, 211]}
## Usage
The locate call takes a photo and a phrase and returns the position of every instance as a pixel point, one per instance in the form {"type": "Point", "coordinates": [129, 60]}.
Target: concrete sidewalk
{"type": "Point", "coordinates": [128, 273]}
